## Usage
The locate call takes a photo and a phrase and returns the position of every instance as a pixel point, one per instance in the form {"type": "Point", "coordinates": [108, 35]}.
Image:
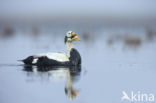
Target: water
{"type": "Point", "coordinates": [112, 62]}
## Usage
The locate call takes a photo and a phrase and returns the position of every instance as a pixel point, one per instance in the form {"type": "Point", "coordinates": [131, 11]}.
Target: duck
{"type": "Point", "coordinates": [70, 58]}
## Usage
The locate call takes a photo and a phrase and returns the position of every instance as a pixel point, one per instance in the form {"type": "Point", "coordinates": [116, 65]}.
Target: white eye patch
{"type": "Point", "coordinates": [69, 34]}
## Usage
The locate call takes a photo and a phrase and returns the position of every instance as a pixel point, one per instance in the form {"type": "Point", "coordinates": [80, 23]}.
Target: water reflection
{"type": "Point", "coordinates": [70, 74]}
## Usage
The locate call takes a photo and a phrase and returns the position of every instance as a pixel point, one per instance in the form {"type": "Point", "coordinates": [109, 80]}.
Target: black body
{"type": "Point", "coordinates": [74, 60]}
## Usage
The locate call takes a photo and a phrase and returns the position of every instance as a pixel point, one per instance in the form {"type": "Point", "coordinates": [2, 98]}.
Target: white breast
{"type": "Point", "coordinates": [55, 56]}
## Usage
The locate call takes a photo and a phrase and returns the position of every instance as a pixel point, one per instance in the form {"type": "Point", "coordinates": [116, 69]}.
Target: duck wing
{"type": "Point", "coordinates": [47, 59]}
{"type": "Point", "coordinates": [61, 57]}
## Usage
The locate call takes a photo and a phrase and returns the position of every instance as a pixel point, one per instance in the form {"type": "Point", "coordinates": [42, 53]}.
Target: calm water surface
{"type": "Point", "coordinates": [110, 64]}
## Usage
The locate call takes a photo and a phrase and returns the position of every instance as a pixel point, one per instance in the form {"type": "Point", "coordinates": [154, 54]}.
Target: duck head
{"type": "Point", "coordinates": [71, 36]}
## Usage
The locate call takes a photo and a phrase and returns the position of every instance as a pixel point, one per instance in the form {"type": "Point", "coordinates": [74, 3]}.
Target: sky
{"type": "Point", "coordinates": [44, 8]}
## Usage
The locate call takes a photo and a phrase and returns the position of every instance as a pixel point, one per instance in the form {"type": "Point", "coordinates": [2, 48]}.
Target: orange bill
{"type": "Point", "coordinates": [76, 39]}
{"type": "Point", "coordinates": [73, 34]}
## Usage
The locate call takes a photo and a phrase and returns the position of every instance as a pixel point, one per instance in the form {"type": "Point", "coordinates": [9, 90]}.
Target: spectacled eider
{"type": "Point", "coordinates": [71, 58]}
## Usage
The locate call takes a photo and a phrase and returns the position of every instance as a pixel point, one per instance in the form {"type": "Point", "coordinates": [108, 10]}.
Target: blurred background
{"type": "Point", "coordinates": [118, 48]}
{"type": "Point", "coordinates": [55, 16]}
{"type": "Point", "coordinates": [121, 20]}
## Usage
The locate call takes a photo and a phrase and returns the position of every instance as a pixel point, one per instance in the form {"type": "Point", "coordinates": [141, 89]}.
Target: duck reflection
{"type": "Point", "coordinates": [70, 74]}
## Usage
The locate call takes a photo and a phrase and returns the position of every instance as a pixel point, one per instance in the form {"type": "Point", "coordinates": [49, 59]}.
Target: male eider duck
{"type": "Point", "coordinates": [71, 58]}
